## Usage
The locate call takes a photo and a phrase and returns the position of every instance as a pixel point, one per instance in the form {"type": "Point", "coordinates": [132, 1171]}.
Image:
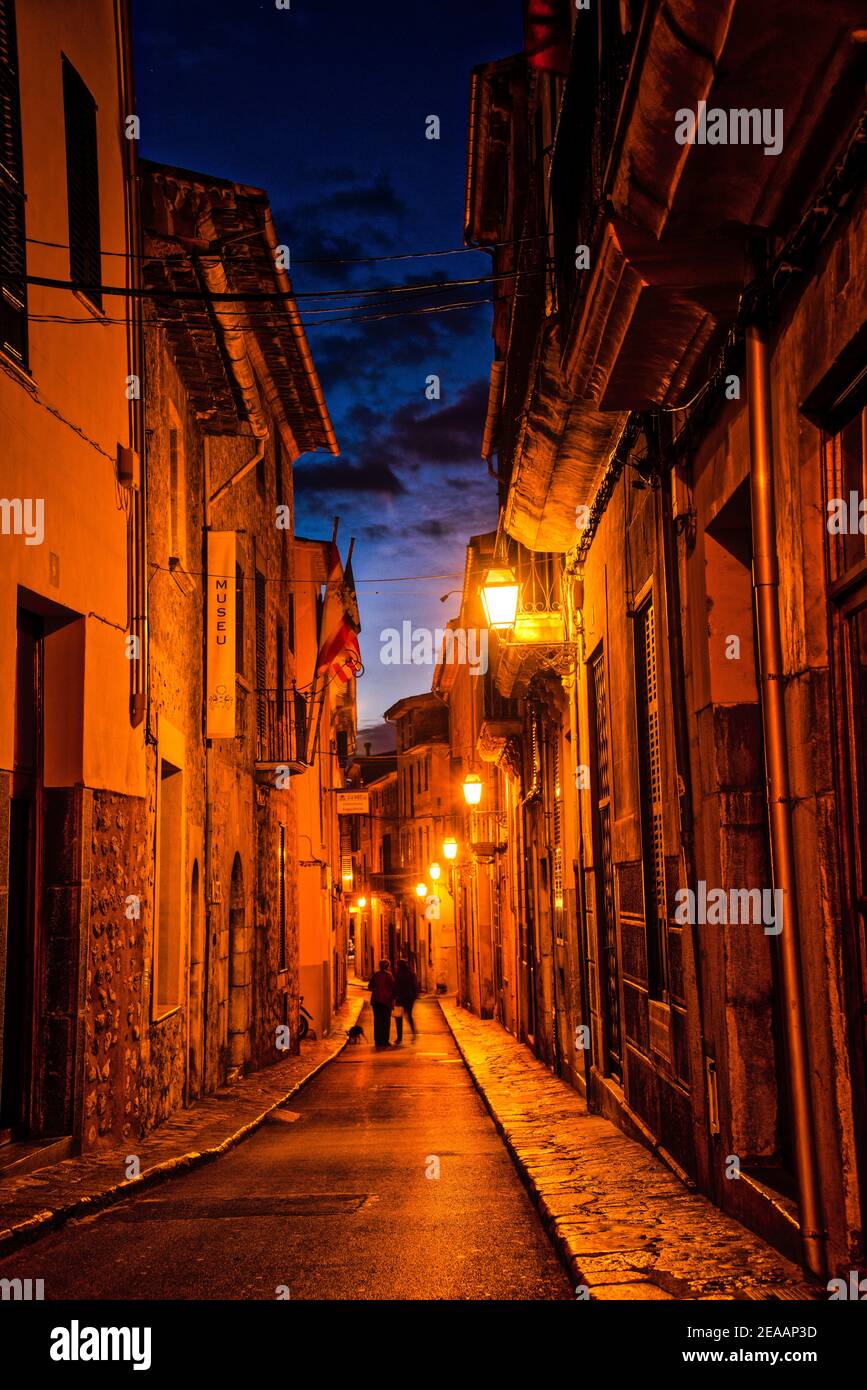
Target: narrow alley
{"type": "Point", "coordinates": [333, 1198]}
{"type": "Point", "coordinates": [433, 583]}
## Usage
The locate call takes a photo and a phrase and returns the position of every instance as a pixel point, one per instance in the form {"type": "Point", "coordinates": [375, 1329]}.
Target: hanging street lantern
{"type": "Point", "coordinates": [472, 789]}
{"type": "Point", "coordinates": [500, 598]}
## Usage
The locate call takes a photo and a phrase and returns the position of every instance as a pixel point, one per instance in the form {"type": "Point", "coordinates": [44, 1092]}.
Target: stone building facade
{"type": "Point", "coordinates": [149, 915]}
{"type": "Point", "coordinates": [676, 418]}
{"type": "Point", "coordinates": [72, 754]}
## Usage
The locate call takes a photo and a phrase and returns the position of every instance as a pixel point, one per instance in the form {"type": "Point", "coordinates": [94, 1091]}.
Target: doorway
{"type": "Point", "coordinates": [23, 945]}
{"type": "Point", "coordinates": [197, 956]}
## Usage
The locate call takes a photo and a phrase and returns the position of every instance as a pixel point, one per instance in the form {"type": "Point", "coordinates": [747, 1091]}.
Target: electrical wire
{"type": "Point", "coordinates": [252, 323]}
{"type": "Point", "coordinates": [277, 297]}
{"type": "Point", "coordinates": [327, 260]}
{"type": "Point", "coordinates": [390, 579]}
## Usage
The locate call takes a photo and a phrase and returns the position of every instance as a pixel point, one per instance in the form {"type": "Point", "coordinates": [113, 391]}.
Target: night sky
{"type": "Point", "coordinates": [324, 106]}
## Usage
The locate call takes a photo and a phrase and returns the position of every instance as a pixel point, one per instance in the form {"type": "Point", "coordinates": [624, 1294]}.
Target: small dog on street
{"type": "Point", "coordinates": [356, 1033]}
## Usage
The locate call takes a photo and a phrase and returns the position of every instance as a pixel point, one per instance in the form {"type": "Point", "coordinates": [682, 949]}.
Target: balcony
{"type": "Point", "coordinates": [281, 734]}
{"type": "Point", "coordinates": [500, 722]}
{"type": "Point", "coordinates": [392, 882]}
{"type": "Point", "coordinates": [487, 835]}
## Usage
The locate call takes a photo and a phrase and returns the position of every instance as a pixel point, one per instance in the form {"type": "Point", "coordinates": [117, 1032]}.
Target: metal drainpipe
{"type": "Point", "coordinates": [772, 697]}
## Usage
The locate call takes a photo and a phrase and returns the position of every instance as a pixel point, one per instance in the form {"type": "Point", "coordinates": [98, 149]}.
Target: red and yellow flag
{"type": "Point", "coordinates": [339, 652]}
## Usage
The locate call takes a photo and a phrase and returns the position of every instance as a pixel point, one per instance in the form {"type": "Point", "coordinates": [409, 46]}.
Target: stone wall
{"type": "Point", "coordinates": [116, 1001]}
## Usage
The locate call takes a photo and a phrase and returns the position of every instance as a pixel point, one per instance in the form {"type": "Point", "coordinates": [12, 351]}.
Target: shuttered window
{"type": "Point", "coordinates": [650, 772]}
{"type": "Point", "coordinates": [604, 867]}
{"type": "Point", "coordinates": [82, 184]}
{"type": "Point", "coordinates": [13, 266]}
{"type": "Point", "coordinates": [281, 903]}
{"type": "Point", "coordinates": [261, 669]}
{"type": "Point", "coordinates": [239, 619]}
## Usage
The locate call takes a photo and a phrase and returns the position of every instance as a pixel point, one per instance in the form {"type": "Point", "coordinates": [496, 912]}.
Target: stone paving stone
{"type": "Point", "coordinates": [625, 1224]}
{"type": "Point", "coordinates": [36, 1203]}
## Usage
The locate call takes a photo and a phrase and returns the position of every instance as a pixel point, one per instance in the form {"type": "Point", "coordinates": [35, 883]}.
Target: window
{"type": "Point", "coordinates": [281, 903]}
{"type": "Point", "coordinates": [239, 619]}
{"type": "Point", "coordinates": [13, 263]}
{"type": "Point", "coordinates": [168, 945]}
{"type": "Point", "coordinates": [603, 864]}
{"type": "Point", "coordinates": [82, 184]}
{"type": "Point", "coordinates": [650, 777]}
{"type": "Point", "coordinates": [177, 497]}
{"type": "Point", "coordinates": [261, 667]}
{"type": "Point", "coordinates": [847, 468]}
{"type": "Point", "coordinates": [278, 470]}
{"type": "Point", "coordinates": [555, 786]}
{"type": "Point", "coordinates": [280, 661]}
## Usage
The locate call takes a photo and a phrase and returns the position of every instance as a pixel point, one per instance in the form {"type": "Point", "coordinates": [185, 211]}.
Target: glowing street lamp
{"type": "Point", "coordinates": [472, 789]}
{"type": "Point", "coordinates": [450, 848]}
{"type": "Point", "coordinates": [362, 902]}
{"type": "Point", "coordinates": [434, 871]}
{"type": "Point", "coordinates": [500, 598]}
{"type": "Point", "coordinates": [421, 890]}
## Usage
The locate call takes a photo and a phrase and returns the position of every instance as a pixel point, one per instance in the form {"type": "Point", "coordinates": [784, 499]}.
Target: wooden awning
{"type": "Point", "coordinates": [209, 236]}
{"type": "Point", "coordinates": [668, 253]}
{"type": "Point", "coordinates": [563, 448]}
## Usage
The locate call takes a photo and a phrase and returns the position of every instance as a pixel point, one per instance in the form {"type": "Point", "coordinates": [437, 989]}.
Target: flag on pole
{"type": "Point", "coordinates": [548, 35]}
{"type": "Point", "coordinates": [339, 652]}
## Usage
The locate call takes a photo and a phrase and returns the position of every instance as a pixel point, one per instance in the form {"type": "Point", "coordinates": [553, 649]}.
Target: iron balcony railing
{"type": "Point", "coordinates": [496, 708]}
{"type": "Point", "coordinates": [539, 575]}
{"type": "Point", "coordinates": [281, 727]}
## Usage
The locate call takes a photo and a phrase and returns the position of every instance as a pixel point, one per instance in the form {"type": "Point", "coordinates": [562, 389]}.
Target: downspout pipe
{"type": "Point", "coordinates": [766, 585]}
{"type": "Point", "coordinates": [236, 477]}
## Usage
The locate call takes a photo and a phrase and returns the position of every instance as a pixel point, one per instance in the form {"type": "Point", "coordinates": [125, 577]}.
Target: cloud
{"type": "Point", "coordinates": [341, 476]}
{"type": "Point", "coordinates": [431, 432]}
{"type": "Point", "coordinates": [352, 221]}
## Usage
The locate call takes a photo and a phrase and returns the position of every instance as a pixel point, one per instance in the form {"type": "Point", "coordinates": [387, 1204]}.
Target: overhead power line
{"type": "Point", "coordinates": [323, 260]}
{"type": "Point", "coordinates": [262, 296]}
{"type": "Point", "coordinates": [305, 323]}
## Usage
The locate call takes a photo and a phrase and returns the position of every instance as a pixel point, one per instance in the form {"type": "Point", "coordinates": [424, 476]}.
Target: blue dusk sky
{"type": "Point", "coordinates": [324, 105]}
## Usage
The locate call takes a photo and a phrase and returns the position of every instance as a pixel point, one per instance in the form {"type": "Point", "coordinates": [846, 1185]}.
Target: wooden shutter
{"type": "Point", "coordinates": [604, 868]}
{"type": "Point", "coordinates": [13, 264]}
{"type": "Point", "coordinates": [650, 770]}
{"type": "Point", "coordinates": [82, 184]}
{"type": "Point", "coordinates": [281, 903]}
{"type": "Point", "coordinates": [261, 669]}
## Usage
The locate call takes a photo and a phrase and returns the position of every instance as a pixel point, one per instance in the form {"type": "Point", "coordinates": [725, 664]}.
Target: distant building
{"type": "Point", "coordinates": [425, 925]}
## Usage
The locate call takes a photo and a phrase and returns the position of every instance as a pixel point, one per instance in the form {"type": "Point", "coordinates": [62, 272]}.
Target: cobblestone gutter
{"type": "Point", "coordinates": [36, 1203]}
{"type": "Point", "coordinates": [624, 1225]}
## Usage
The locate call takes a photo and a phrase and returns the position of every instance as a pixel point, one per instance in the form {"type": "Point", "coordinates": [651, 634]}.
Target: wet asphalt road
{"type": "Point", "coordinates": [331, 1199]}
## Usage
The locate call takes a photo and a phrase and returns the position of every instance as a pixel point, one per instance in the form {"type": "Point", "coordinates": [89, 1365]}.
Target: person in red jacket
{"type": "Point", "coordinates": [382, 1001]}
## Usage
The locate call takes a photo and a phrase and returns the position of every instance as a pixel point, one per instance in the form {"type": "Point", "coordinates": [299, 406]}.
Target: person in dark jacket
{"type": "Point", "coordinates": [382, 1002]}
{"type": "Point", "coordinates": [406, 992]}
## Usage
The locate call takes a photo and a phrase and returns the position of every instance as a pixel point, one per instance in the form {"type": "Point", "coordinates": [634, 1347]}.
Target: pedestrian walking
{"type": "Point", "coordinates": [406, 991]}
{"type": "Point", "coordinates": [382, 1001]}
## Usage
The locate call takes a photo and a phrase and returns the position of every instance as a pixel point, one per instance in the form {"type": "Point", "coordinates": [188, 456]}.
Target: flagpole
{"type": "Point", "coordinates": [316, 695]}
